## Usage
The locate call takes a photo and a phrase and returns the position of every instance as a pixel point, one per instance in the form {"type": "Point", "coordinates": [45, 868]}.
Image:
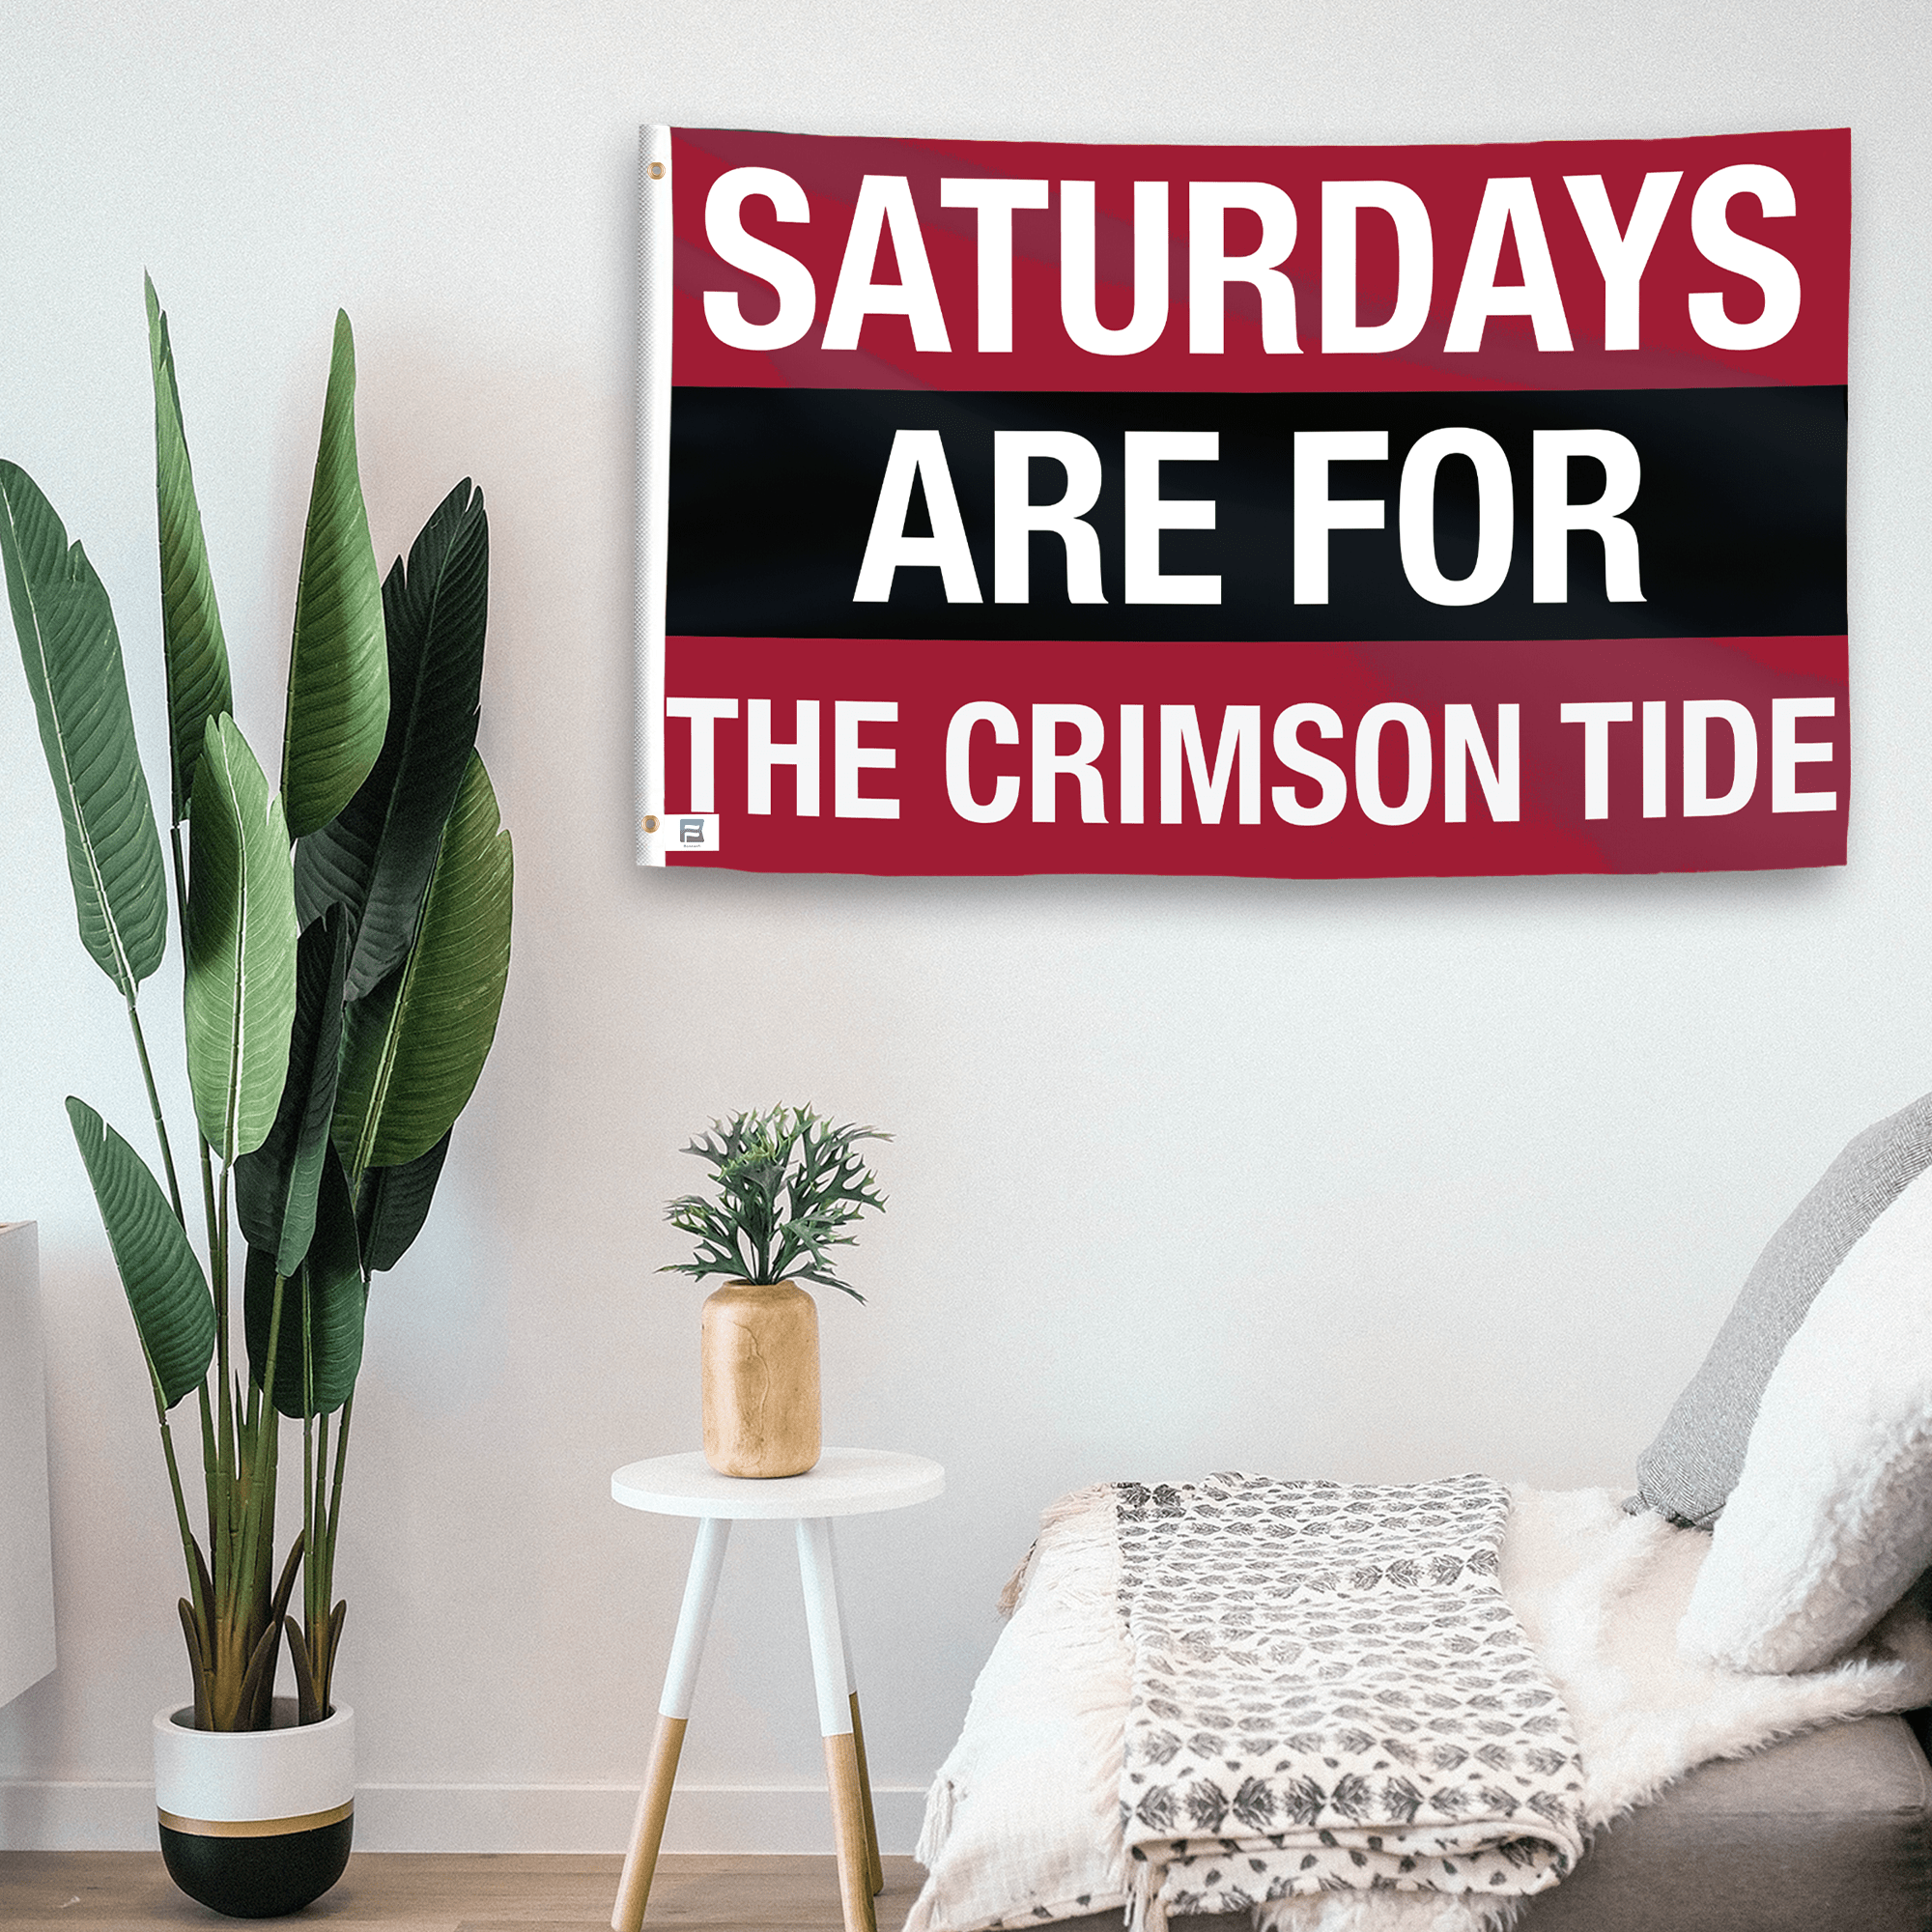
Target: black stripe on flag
{"type": "Point", "coordinates": [1739, 519]}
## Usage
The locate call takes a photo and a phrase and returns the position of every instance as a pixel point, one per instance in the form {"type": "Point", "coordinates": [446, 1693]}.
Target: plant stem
{"type": "Point", "coordinates": [260, 1430]}
{"type": "Point", "coordinates": [155, 1106]}
{"type": "Point", "coordinates": [210, 1454]}
{"type": "Point", "coordinates": [319, 1572]}
{"type": "Point", "coordinates": [181, 919]}
{"type": "Point", "coordinates": [309, 1478]}
{"type": "Point", "coordinates": [211, 1474]}
{"type": "Point", "coordinates": [308, 1542]}
{"type": "Point", "coordinates": [336, 1495]}
{"type": "Point", "coordinates": [180, 1512]}
{"type": "Point", "coordinates": [226, 1449]}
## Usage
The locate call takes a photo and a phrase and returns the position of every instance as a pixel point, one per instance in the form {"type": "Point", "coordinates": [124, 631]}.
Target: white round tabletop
{"type": "Point", "coordinates": [844, 1482]}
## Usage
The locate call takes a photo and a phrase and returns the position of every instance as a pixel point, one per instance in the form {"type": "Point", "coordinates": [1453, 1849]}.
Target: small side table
{"type": "Point", "coordinates": [847, 1482]}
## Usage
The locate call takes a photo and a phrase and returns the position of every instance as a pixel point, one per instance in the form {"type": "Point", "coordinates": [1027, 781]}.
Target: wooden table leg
{"type": "Point", "coordinates": [878, 1867]}
{"type": "Point", "coordinates": [819, 1580]}
{"type": "Point", "coordinates": [700, 1591]}
{"type": "Point", "coordinates": [875, 1864]}
{"type": "Point", "coordinates": [641, 1862]}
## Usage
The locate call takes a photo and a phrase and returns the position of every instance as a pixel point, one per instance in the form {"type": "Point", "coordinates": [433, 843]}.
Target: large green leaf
{"type": "Point", "coordinates": [412, 1050]}
{"type": "Point", "coordinates": [72, 655]}
{"type": "Point", "coordinates": [239, 987]}
{"type": "Point", "coordinates": [275, 1185]}
{"type": "Point", "coordinates": [375, 857]}
{"type": "Point", "coordinates": [191, 641]}
{"type": "Point", "coordinates": [166, 1289]}
{"type": "Point", "coordinates": [338, 668]}
{"type": "Point", "coordinates": [394, 1204]}
{"type": "Point", "coordinates": [325, 1296]}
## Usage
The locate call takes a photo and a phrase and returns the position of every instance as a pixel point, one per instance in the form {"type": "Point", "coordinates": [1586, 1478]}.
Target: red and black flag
{"type": "Point", "coordinates": [1284, 511]}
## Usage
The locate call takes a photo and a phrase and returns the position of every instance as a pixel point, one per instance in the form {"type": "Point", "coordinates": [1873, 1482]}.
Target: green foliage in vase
{"type": "Point", "coordinates": [380, 943]}
{"type": "Point", "coordinates": [789, 1188]}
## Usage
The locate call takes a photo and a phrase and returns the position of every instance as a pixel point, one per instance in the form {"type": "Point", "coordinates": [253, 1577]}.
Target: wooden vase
{"type": "Point", "coordinates": [760, 1352]}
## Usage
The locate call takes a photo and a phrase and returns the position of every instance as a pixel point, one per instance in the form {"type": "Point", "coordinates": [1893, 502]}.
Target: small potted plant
{"type": "Point", "coordinates": [789, 1188]}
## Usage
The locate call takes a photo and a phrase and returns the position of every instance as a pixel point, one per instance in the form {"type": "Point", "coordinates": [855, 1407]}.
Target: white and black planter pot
{"type": "Point", "coordinates": [256, 1824]}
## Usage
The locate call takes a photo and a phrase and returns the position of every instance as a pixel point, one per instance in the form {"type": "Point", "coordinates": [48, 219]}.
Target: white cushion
{"type": "Point", "coordinates": [1832, 1518]}
{"type": "Point", "coordinates": [1022, 1823]}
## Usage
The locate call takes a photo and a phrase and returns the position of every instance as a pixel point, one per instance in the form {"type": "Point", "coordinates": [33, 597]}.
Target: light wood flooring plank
{"type": "Point", "coordinates": [108, 1892]}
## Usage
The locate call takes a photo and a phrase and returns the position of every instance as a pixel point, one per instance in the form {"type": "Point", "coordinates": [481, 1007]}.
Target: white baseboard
{"type": "Point", "coordinates": [50, 1816]}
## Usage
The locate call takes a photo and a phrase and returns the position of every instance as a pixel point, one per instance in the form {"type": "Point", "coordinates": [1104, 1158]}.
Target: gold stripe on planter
{"type": "Point", "coordinates": [256, 1828]}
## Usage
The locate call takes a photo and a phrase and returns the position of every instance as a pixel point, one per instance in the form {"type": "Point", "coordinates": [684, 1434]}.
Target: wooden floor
{"type": "Point", "coordinates": [66, 1891]}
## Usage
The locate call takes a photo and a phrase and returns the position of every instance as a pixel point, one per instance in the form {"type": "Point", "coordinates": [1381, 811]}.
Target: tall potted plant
{"type": "Point", "coordinates": [346, 938]}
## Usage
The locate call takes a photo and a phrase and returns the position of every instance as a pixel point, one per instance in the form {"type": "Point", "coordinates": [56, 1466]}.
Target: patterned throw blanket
{"type": "Point", "coordinates": [1330, 1693]}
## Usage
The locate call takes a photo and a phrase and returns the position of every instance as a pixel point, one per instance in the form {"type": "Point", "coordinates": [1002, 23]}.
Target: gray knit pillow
{"type": "Point", "coordinates": [1689, 1473]}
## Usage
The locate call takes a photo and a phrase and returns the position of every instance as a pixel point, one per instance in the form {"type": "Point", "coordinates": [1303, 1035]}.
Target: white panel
{"type": "Point", "coordinates": [26, 1552]}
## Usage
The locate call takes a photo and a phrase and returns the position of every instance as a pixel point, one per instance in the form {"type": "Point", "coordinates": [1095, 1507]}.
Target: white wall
{"type": "Point", "coordinates": [1372, 1180]}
